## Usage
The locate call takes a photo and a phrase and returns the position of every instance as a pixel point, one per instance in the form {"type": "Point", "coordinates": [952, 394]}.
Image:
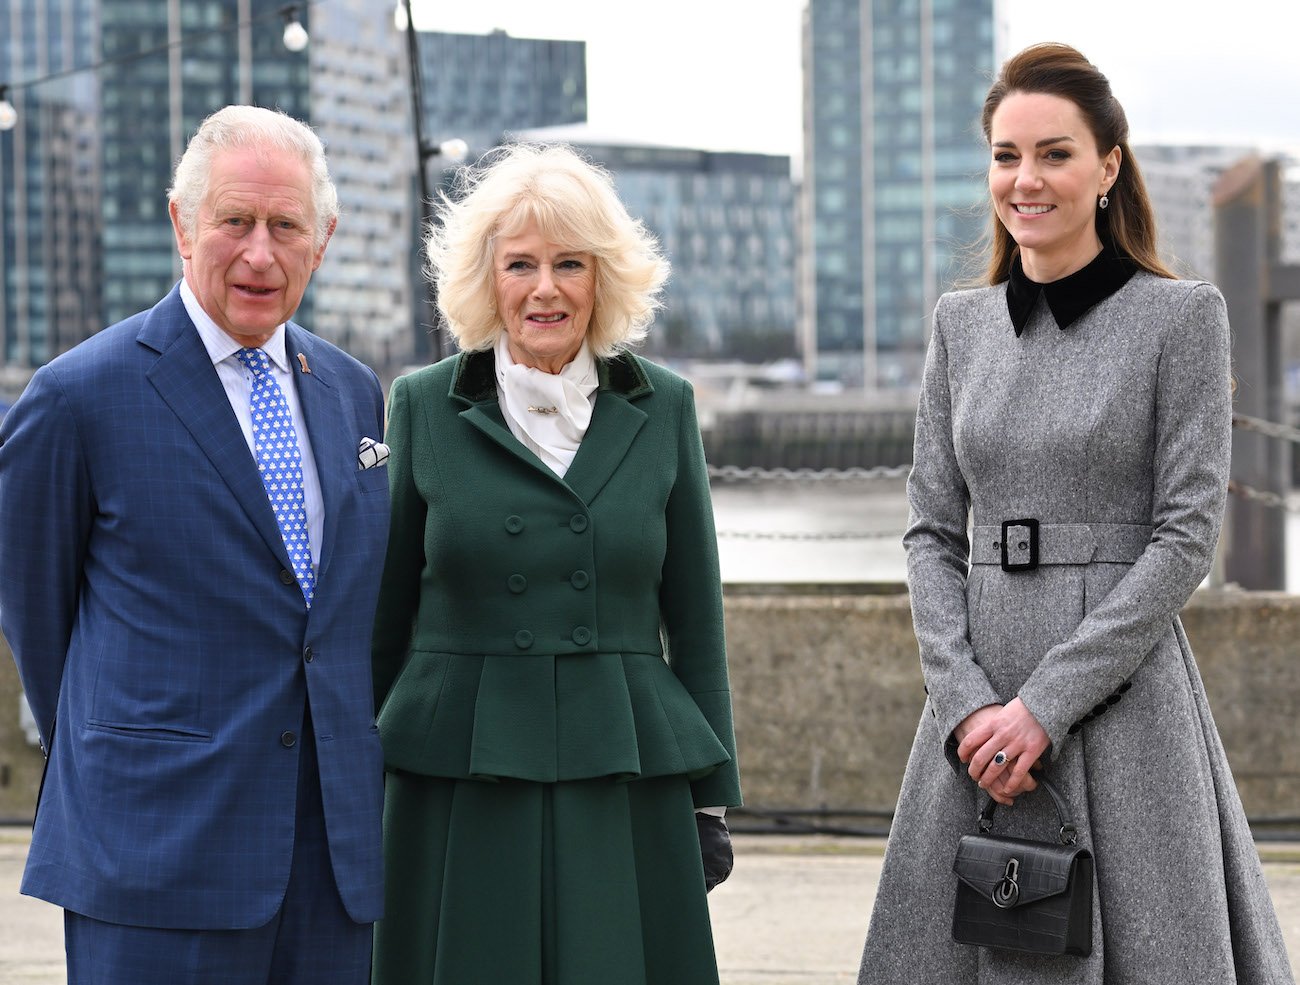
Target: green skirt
{"type": "Point", "coordinates": [586, 882]}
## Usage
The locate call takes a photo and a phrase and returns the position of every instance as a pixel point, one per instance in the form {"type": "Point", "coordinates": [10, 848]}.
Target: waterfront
{"type": "Point", "coordinates": [782, 531]}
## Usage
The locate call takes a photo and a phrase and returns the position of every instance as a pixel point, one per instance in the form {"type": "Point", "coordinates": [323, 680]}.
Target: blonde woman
{"type": "Point", "coordinates": [549, 649]}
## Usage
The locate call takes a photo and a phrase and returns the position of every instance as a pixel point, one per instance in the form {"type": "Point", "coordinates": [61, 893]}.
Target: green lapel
{"type": "Point", "coordinates": [614, 420]}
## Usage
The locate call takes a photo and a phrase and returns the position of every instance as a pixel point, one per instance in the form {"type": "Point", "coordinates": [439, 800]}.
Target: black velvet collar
{"type": "Point", "coordinates": [1071, 296]}
{"type": "Point", "coordinates": [476, 377]}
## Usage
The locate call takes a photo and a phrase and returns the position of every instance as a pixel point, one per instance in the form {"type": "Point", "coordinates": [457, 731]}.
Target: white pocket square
{"type": "Point", "coordinates": [371, 453]}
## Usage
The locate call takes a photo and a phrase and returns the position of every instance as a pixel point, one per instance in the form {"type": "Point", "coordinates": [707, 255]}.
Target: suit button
{"type": "Point", "coordinates": [523, 639]}
{"type": "Point", "coordinates": [514, 524]}
{"type": "Point", "coordinates": [577, 523]}
{"type": "Point", "coordinates": [581, 635]}
{"type": "Point", "coordinates": [579, 580]}
{"type": "Point", "coordinates": [307, 655]}
{"type": "Point", "coordinates": [517, 583]}
{"type": "Point", "coordinates": [287, 578]}
{"type": "Point", "coordinates": [288, 739]}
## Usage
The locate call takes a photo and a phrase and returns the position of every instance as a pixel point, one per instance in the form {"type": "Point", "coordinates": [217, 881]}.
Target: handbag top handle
{"type": "Point", "coordinates": [1068, 834]}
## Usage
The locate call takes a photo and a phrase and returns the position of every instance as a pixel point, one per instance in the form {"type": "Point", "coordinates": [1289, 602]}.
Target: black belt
{"type": "Point", "coordinates": [1022, 545]}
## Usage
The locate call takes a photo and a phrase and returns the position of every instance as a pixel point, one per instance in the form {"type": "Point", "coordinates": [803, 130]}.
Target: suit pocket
{"type": "Point", "coordinates": [161, 733]}
{"type": "Point", "coordinates": [373, 480]}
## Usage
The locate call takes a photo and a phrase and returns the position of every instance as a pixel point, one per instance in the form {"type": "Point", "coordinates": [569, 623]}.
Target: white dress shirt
{"type": "Point", "coordinates": [238, 382]}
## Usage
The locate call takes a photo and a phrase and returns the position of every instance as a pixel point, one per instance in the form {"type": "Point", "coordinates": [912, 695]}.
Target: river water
{"type": "Point", "coordinates": [780, 531]}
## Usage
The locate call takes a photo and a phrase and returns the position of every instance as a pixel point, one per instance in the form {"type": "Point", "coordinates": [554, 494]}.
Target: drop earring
{"type": "Point", "coordinates": [1103, 202]}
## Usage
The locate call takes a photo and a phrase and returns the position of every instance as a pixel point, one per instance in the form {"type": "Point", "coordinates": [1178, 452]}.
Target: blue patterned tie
{"type": "Point", "coordinates": [280, 462]}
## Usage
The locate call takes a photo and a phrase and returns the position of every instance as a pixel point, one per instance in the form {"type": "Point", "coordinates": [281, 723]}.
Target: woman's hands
{"type": "Point", "coordinates": [1010, 729]}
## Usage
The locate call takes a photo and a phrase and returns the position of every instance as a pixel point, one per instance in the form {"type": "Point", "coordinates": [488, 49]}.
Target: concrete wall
{"type": "Point", "coordinates": [828, 692]}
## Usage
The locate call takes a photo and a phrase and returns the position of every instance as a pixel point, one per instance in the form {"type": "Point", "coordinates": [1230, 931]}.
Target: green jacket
{"type": "Point", "coordinates": [552, 629]}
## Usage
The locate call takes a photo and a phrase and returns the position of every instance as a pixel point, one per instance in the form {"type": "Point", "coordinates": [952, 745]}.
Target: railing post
{"type": "Point", "coordinates": [1247, 207]}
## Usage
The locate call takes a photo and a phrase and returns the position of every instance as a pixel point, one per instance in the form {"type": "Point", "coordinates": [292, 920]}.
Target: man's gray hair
{"type": "Point", "coordinates": [243, 127]}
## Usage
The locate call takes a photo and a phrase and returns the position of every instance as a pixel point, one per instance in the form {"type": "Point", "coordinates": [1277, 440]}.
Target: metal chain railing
{"type": "Point", "coordinates": [1244, 422]}
{"type": "Point", "coordinates": [809, 535]}
{"type": "Point", "coordinates": [736, 473]}
{"type": "Point", "coordinates": [1264, 498]}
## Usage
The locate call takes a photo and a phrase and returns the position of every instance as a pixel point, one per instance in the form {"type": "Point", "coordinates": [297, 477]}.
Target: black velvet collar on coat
{"type": "Point", "coordinates": [476, 376]}
{"type": "Point", "coordinates": [1071, 296]}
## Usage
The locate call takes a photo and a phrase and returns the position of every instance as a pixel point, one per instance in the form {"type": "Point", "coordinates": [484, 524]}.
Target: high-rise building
{"type": "Point", "coordinates": [477, 86]}
{"type": "Point", "coordinates": [726, 223]}
{"type": "Point", "coordinates": [49, 190]}
{"type": "Point", "coordinates": [893, 176]}
{"type": "Point", "coordinates": [85, 237]}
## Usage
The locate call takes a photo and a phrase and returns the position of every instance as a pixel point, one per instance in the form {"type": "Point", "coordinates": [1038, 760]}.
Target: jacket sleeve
{"type": "Point", "coordinates": [46, 512]}
{"type": "Point", "coordinates": [691, 604]}
{"type": "Point", "coordinates": [399, 589]}
{"type": "Point", "coordinates": [938, 552]}
{"type": "Point", "coordinates": [1193, 445]}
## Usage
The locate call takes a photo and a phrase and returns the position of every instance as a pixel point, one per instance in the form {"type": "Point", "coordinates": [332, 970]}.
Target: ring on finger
{"type": "Point", "coordinates": [999, 758]}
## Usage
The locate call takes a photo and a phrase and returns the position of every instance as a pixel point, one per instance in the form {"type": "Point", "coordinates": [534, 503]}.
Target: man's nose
{"type": "Point", "coordinates": [257, 247]}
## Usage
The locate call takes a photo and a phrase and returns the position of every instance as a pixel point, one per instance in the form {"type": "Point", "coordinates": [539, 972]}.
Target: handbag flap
{"type": "Point", "coordinates": [1043, 869]}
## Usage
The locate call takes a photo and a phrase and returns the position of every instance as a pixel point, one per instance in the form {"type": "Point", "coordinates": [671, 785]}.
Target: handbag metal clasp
{"type": "Point", "coordinates": [1007, 891]}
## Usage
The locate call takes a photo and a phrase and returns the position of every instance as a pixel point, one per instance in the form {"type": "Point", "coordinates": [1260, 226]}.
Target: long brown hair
{"type": "Point", "coordinates": [1128, 224]}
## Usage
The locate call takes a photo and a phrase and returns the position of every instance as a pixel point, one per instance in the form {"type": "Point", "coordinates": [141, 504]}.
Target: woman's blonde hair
{"type": "Point", "coordinates": [573, 204]}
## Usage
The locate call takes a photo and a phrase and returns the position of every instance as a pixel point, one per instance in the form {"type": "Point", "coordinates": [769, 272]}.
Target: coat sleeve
{"type": "Point", "coordinates": [938, 552]}
{"type": "Point", "coordinates": [1192, 451]}
{"type": "Point", "coordinates": [399, 589]}
{"type": "Point", "coordinates": [691, 604]}
{"type": "Point", "coordinates": [46, 512]}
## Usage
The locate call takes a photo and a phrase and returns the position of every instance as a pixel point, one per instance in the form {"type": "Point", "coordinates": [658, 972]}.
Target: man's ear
{"type": "Point", "coordinates": [320, 254]}
{"type": "Point", "coordinates": [183, 244]}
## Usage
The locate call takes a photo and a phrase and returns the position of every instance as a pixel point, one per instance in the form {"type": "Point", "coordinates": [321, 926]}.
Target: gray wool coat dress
{"type": "Point", "coordinates": [1113, 433]}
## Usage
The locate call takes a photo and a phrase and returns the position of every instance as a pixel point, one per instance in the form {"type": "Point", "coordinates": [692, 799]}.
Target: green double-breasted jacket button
{"type": "Point", "coordinates": [517, 583]}
{"type": "Point", "coordinates": [514, 524]}
{"type": "Point", "coordinates": [523, 639]}
{"type": "Point", "coordinates": [579, 580]}
{"type": "Point", "coordinates": [577, 523]}
{"type": "Point", "coordinates": [581, 635]}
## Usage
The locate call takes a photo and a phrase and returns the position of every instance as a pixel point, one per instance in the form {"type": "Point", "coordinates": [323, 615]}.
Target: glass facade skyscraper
{"type": "Point", "coordinates": [49, 190]}
{"type": "Point", "coordinates": [893, 176]}
{"type": "Point", "coordinates": [477, 86]}
{"type": "Point", "coordinates": [85, 237]}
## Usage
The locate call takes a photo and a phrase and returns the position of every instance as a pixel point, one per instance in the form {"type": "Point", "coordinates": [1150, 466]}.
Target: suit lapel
{"type": "Point", "coordinates": [487, 417]}
{"type": "Point", "coordinates": [186, 380]}
{"type": "Point", "coordinates": [615, 421]}
{"type": "Point", "coordinates": [614, 424]}
{"type": "Point", "coordinates": [323, 410]}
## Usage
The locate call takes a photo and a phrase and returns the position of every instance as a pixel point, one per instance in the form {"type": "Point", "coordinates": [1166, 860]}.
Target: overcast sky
{"type": "Point", "coordinates": [726, 74]}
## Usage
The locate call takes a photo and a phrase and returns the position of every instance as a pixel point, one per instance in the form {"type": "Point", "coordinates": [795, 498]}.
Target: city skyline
{"type": "Point", "coordinates": [1206, 74]}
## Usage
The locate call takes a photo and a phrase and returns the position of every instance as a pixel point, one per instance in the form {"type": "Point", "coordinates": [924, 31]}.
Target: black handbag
{"type": "Point", "coordinates": [1024, 895]}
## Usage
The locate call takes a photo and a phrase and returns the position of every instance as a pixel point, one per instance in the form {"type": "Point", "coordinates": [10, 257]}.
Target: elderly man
{"type": "Point", "coordinates": [192, 546]}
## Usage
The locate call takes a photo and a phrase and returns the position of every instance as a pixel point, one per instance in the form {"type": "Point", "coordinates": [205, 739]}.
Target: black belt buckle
{"type": "Point", "coordinates": [1030, 544]}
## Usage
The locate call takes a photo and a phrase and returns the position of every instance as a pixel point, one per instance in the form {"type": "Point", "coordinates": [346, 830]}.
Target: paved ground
{"type": "Point", "coordinates": [794, 913]}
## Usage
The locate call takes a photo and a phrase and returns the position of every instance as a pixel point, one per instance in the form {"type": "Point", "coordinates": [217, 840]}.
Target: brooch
{"type": "Point", "coordinates": [543, 410]}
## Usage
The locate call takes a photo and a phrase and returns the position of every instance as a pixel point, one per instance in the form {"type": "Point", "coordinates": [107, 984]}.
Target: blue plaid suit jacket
{"type": "Point", "coordinates": [165, 650]}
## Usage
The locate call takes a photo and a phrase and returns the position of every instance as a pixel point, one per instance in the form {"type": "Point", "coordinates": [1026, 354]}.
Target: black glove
{"type": "Point", "coordinates": [715, 849]}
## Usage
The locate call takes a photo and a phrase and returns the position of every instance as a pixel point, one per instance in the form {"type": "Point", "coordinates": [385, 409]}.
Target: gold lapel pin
{"type": "Point", "coordinates": [302, 361]}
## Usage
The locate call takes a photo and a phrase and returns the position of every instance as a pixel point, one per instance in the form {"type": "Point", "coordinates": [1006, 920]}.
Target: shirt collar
{"type": "Point", "coordinates": [219, 343]}
{"type": "Point", "coordinates": [1071, 296]}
